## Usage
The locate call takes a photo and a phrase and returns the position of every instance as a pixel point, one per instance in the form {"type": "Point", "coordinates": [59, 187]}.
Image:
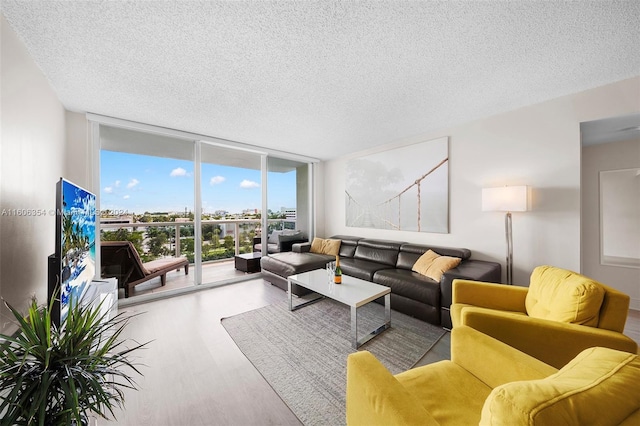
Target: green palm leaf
{"type": "Point", "coordinates": [59, 376]}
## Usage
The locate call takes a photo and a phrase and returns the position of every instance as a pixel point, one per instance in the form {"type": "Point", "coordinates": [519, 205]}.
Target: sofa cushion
{"type": "Point", "coordinates": [363, 269]}
{"type": "Point", "coordinates": [325, 246]}
{"type": "Point", "coordinates": [561, 295]}
{"type": "Point", "coordinates": [271, 248]}
{"type": "Point", "coordinates": [379, 251]}
{"type": "Point", "coordinates": [429, 383]}
{"type": "Point", "coordinates": [599, 386]}
{"type": "Point", "coordinates": [432, 265]}
{"type": "Point", "coordinates": [348, 244]}
{"type": "Point", "coordinates": [409, 284]}
{"type": "Point", "coordinates": [273, 237]}
{"type": "Point", "coordinates": [290, 263]}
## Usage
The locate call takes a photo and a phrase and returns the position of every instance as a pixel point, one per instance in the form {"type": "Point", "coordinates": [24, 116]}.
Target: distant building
{"type": "Point", "coordinates": [220, 213]}
{"type": "Point", "coordinates": [289, 212]}
{"type": "Point", "coordinates": [250, 211]}
{"type": "Point", "coordinates": [228, 229]}
{"type": "Point", "coordinates": [117, 219]}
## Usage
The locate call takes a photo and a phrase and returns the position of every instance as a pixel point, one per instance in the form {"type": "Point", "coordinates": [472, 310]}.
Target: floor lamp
{"type": "Point", "coordinates": [506, 199]}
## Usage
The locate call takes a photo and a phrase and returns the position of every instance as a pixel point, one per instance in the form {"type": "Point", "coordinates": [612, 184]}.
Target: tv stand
{"type": "Point", "coordinates": [103, 291]}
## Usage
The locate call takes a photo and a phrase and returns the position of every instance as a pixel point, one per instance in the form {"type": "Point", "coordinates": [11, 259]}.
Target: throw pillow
{"type": "Point", "coordinates": [332, 247]}
{"type": "Point", "coordinates": [422, 264]}
{"type": "Point", "coordinates": [273, 238]}
{"type": "Point", "coordinates": [561, 295]}
{"type": "Point", "coordinates": [432, 265]}
{"type": "Point", "coordinates": [599, 386]}
{"type": "Point", "coordinates": [325, 246]}
{"type": "Point", "coordinates": [316, 245]}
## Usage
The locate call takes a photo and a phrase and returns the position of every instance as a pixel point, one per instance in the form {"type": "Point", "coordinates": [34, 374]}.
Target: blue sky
{"type": "Point", "coordinates": [138, 183]}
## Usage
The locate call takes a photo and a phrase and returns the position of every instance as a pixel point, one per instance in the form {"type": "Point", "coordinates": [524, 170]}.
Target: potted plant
{"type": "Point", "coordinates": [63, 375]}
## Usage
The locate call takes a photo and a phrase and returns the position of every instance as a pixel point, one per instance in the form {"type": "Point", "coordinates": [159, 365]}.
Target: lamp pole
{"type": "Point", "coordinates": [507, 199]}
{"type": "Point", "coordinates": [509, 235]}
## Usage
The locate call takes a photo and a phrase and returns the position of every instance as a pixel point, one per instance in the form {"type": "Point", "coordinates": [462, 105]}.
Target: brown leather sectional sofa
{"type": "Point", "coordinates": [387, 263]}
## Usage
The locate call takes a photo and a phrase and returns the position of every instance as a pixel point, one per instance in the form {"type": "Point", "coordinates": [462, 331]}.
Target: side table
{"type": "Point", "coordinates": [248, 262]}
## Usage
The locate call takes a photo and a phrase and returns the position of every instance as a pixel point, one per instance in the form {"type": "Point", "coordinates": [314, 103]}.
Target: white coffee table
{"type": "Point", "coordinates": [353, 292]}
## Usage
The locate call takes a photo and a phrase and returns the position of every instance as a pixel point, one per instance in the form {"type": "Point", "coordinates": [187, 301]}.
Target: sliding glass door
{"type": "Point", "coordinates": [175, 194]}
{"type": "Point", "coordinates": [231, 198]}
{"type": "Point", "coordinates": [288, 196]}
{"type": "Point", "coordinates": [146, 198]}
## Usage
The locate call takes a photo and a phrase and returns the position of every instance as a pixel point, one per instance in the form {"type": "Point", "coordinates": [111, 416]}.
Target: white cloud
{"type": "Point", "coordinates": [178, 172]}
{"type": "Point", "coordinates": [117, 185]}
{"type": "Point", "coordinates": [132, 183]}
{"type": "Point", "coordinates": [248, 184]}
{"type": "Point", "coordinates": [126, 197]}
{"type": "Point", "coordinates": [216, 180]}
{"type": "Point", "coordinates": [108, 190]}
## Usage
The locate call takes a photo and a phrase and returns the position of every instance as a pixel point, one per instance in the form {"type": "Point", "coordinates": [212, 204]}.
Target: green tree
{"type": "Point", "coordinates": [216, 237]}
{"type": "Point", "coordinates": [207, 231]}
{"type": "Point", "coordinates": [156, 245]}
{"type": "Point", "coordinates": [187, 245]}
{"type": "Point", "coordinates": [229, 244]}
{"type": "Point", "coordinates": [123, 234]}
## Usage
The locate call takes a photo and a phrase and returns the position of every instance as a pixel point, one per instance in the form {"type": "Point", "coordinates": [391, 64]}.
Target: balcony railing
{"type": "Point", "coordinates": [154, 240]}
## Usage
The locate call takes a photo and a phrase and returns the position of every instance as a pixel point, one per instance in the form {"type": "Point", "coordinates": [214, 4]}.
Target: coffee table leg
{"type": "Point", "coordinates": [354, 327]}
{"type": "Point", "coordinates": [303, 304]}
{"type": "Point", "coordinates": [355, 343]}
{"type": "Point", "coordinates": [387, 309]}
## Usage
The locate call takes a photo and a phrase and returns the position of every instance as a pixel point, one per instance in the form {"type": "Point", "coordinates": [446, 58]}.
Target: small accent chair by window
{"type": "Point", "coordinates": [280, 241]}
{"type": "Point", "coordinates": [560, 314]}
{"type": "Point", "coordinates": [121, 260]}
{"type": "Point", "coordinates": [490, 383]}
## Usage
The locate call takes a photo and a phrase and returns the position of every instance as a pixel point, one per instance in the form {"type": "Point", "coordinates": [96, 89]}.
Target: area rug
{"type": "Point", "coordinates": [303, 354]}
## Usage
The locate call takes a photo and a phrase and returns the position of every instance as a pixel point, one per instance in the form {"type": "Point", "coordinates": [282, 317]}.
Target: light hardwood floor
{"type": "Point", "coordinates": [194, 374]}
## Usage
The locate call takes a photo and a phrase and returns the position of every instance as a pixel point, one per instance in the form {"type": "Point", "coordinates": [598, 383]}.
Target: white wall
{"type": "Point", "coordinates": [32, 160]}
{"type": "Point", "coordinates": [537, 146]}
{"type": "Point", "coordinates": [596, 158]}
{"type": "Point", "coordinates": [77, 164]}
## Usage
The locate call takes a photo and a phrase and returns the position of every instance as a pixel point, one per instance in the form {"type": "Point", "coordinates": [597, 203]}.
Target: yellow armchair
{"type": "Point", "coordinates": [549, 319]}
{"type": "Point", "coordinates": [490, 383]}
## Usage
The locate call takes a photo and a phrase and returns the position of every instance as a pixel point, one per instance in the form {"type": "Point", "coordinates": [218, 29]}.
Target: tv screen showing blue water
{"type": "Point", "coordinates": [78, 250]}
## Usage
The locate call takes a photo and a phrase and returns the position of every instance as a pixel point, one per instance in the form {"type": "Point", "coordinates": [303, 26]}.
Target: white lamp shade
{"type": "Point", "coordinates": [505, 199]}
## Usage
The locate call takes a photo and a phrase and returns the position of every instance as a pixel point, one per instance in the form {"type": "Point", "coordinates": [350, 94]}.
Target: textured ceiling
{"type": "Point", "coordinates": [323, 78]}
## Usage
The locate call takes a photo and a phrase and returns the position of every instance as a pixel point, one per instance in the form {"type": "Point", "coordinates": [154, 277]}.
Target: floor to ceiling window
{"type": "Point", "coordinates": [146, 198]}
{"type": "Point", "coordinates": [287, 199]}
{"type": "Point", "coordinates": [175, 194]}
{"type": "Point", "coordinates": [231, 197]}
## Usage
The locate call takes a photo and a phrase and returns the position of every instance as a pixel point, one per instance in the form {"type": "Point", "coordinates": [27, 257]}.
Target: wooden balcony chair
{"type": "Point", "coordinates": [121, 260]}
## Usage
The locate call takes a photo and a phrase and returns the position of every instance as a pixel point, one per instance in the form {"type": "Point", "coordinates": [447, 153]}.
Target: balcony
{"type": "Point", "coordinates": [212, 271]}
{"type": "Point", "coordinates": [222, 240]}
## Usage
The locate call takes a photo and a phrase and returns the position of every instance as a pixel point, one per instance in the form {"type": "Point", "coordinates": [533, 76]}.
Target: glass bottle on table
{"type": "Point", "coordinates": [337, 275]}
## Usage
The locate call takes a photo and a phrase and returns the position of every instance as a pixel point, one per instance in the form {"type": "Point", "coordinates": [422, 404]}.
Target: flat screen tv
{"type": "Point", "coordinates": [73, 265]}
